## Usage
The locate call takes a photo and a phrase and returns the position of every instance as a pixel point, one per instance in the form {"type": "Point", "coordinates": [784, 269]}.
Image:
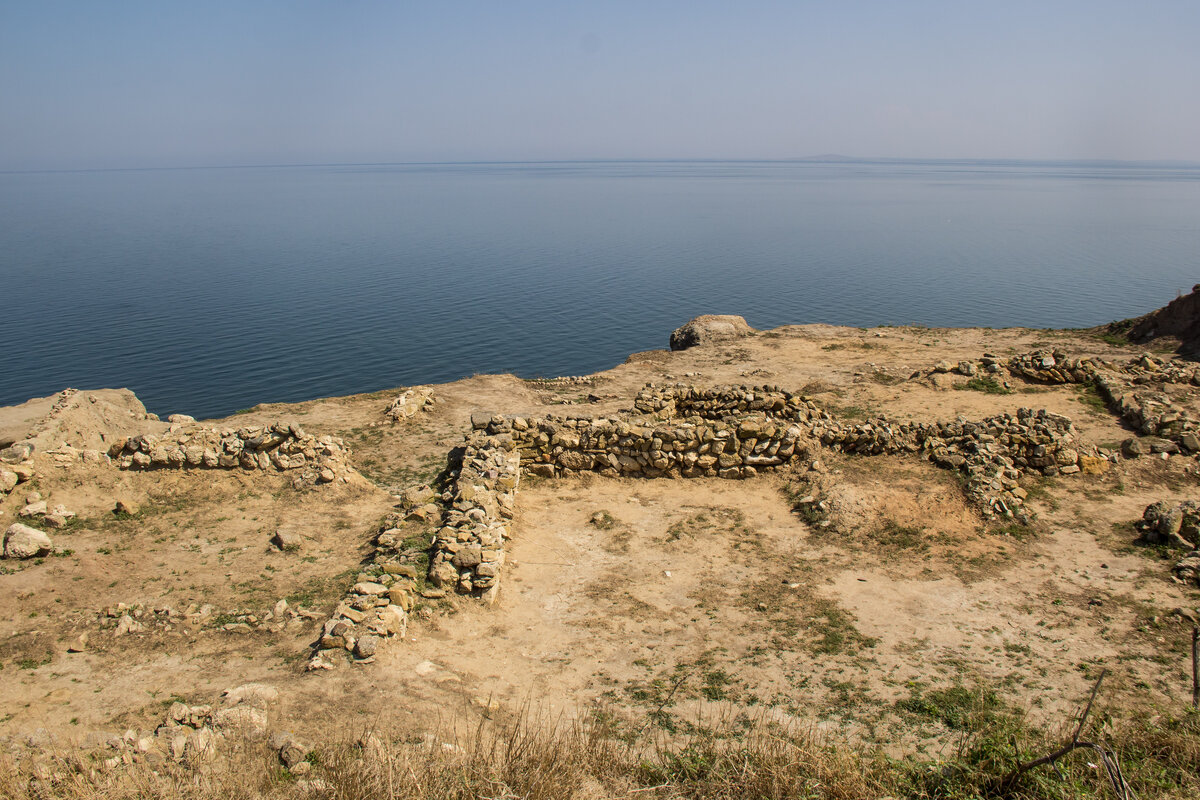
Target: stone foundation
{"type": "Point", "coordinates": [284, 447]}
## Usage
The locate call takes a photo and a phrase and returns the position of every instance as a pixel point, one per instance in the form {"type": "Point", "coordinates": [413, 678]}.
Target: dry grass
{"type": "Point", "coordinates": [606, 757]}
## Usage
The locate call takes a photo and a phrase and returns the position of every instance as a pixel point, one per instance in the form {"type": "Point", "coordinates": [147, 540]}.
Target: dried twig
{"type": "Point", "coordinates": [1107, 758]}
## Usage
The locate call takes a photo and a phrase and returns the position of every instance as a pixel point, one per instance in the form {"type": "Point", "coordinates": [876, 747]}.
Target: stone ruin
{"type": "Point", "coordinates": [281, 446]}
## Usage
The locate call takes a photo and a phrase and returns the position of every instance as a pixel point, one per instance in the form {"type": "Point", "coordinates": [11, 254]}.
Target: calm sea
{"type": "Point", "coordinates": [210, 290]}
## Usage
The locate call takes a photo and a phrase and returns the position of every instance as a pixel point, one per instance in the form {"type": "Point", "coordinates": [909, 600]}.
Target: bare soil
{"type": "Point", "coordinates": [671, 601]}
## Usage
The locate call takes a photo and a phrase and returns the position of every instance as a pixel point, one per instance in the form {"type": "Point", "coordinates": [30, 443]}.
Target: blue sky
{"type": "Point", "coordinates": [132, 83]}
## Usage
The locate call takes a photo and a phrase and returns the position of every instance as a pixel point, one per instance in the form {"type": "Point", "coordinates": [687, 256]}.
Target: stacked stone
{"type": "Point", "coordinates": [16, 467]}
{"type": "Point", "coordinates": [1053, 367]}
{"type": "Point", "coordinates": [649, 448]}
{"type": "Point", "coordinates": [992, 453]}
{"type": "Point", "coordinates": [469, 547]}
{"type": "Point", "coordinates": [720, 402]}
{"type": "Point", "coordinates": [375, 608]}
{"type": "Point", "coordinates": [1172, 524]}
{"type": "Point", "coordinates": [282, 446]}
{"type": "Point", "coordinates": [1147, 369]}
{"type": "Point", "coordinates": [1149, 416]}
{"type": "Point", "coordinates": [409, 402]}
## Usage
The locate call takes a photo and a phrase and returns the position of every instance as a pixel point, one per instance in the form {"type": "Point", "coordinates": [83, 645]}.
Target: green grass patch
{"type": "Point", "coordinates": [986, 384]}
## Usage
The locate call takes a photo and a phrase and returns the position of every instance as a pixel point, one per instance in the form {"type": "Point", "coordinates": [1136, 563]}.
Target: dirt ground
{"type": "Point", "coordinates": [663, 600]}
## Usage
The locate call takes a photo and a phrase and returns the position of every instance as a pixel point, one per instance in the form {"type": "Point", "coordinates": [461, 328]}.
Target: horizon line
{"type": "Point", "coordinates": [831, 158]}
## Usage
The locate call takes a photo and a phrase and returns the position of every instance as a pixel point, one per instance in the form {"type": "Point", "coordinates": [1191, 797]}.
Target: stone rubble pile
{"type": "Point", "coordinates": [1175, 525]}
{"type": "Point", "coordinates": [1172, 524]}
{"type": "Point", "coordinates": [16, 467]}
{"type": "Point", "coordinates": [409, 402]}
{"type": "Point", "coordinates": [1187, 571]}
{"type": "Point", "coordinates": [1149, 415]}
{"type": "Point", "coordinates": [281, 446]}
{"type": "Point", "coordinates": [196, 730]}
{"type": "Point", "coordinates": [480, 502]}
{"type": "Point", "coordinates": [126, 618]}
{"type": "Point", "coordinates": [681, 400]}
{"type": "Point", "coordinates": [377, 606]}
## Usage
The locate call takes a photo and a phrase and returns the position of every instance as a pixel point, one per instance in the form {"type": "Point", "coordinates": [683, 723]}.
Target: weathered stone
{"type": "Point", "coordinates": [1133, 447]}
{"type": "Point", "coordinates": [15, 454]}
{"type": "Point", "coordinates": [709, 328]}
{"type": "Point", "coordinates": [366, 646]}
{"type": "Point", "coordinates": [22, 541]}
{"type": "Point", "coordinates": [468, 557]}
{"type": "Point", "coordinates": [245, 720]}
{"type": "Point", "coordinates": [259, 695]}
{"type": "Point", "coordinates": [36, 509]}
{"type": "Point", "coordinates": [288, 541]}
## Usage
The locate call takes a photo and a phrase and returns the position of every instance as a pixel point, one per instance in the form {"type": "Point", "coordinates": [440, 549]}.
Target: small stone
{"type": "Point", "coordinates": [79, 644]}
{"type": "Point", "coordinates": [126, 507]}
{"type": "Point", "coordinates": [366, 646]}
{"type": "Point", "coordinates": [15, 454]}
{"type": "Point", "coordinates": [1133, 447]}
{"type": "Point", "coordinates": [245, 719]}
{"type": "Point", "coordinates": [287, 541]}
{"type": "Point", "coordinates": [34, 509]}
{"type": "Point", "coordinates": [259, 695]}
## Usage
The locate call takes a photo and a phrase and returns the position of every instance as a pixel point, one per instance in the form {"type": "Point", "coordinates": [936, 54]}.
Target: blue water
{"type": "Point", "coordinates": [210, 290]}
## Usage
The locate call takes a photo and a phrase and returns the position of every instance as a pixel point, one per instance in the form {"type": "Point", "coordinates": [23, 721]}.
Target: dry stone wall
{"type": "Point", "coordinates": [480, 502]}
{"type": "Point", "coordinates": [1148, 415]}
{"type": "Point", "coordinates": [283, 446]}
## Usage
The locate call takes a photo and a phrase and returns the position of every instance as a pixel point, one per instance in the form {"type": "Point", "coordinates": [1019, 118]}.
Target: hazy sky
{"type": "Point", "coordinates": [174, 83]}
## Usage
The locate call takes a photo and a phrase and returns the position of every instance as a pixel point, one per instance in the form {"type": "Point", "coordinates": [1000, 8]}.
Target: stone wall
{"type": "Point", "coordinates": [650, 448]}
{"type": "Point", "coordinates": [1146, 414]}
{"type": "Point", "coordinates": [284, 447]}
{"type": "Point", "coordinates": [480, 502]}
{"type": "Point", "coordinates": [720, 402]}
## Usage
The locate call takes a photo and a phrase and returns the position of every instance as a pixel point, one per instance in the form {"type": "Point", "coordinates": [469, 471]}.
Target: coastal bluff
{"type": "Point", "coordinates": [750, 519]}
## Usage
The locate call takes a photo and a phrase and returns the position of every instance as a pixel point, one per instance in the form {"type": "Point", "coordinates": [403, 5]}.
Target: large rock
{"type": "Point", "coordinates": [22, 541]}
{"type": "Point", "coordinates": [710, 328]}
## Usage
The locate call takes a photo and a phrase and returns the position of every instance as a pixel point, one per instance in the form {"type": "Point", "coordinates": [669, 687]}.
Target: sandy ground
{"type": "Point", "coordinates": [664, 600]}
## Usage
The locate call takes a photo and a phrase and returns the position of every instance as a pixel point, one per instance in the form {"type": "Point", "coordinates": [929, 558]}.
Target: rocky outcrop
{"type": "Point", "coordinates": [1179, 319]}
{"type": "Point", "coordinates": [284, 447]}
{"type": "Point", "coordinates": [710, 328]}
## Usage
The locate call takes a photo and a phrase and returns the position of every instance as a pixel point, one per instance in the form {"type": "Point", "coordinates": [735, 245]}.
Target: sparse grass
{"type": "Point", "coordinates": [603, 520]}
{"type": "Point", "coordinates": [858, 345]}
{"type": "Point", "coordinates": [986, 384]}
{"type": "Point", "coordinates": [1090, 397]}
